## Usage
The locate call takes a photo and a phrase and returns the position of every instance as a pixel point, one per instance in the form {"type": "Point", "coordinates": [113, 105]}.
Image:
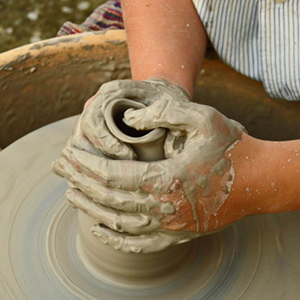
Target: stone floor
{"type": "Point", "coordinates": [27, 21]}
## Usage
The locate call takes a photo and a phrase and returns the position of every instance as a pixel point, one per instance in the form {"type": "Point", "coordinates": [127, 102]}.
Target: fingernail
{"type": "Point", "coordinates": [70, 203]}
{"type": "Point", "coordinates": [56, 169]}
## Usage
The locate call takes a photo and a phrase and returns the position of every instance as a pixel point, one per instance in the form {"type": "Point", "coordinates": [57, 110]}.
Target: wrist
{"type": "Point", "coordinates": [266, 175]}
{"type": "Point", "coordinates": [253, 173]}
{"type": "Point", "coordinates": [184, 81]}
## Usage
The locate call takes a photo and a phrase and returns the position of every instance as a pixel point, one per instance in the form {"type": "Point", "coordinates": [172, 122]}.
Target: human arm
{"type": "Point", "coordinates": [166, 39]}
{"type": "Point", "coordinates": [210, 183]}
{"type": "Point", "coordinates": [175, 198]}
{"type": "Point", "coordinates": [240, 202]}
{"type": "Point", "coordinates": [267, 174]}
{"type": "Point", "coordinates": [155, 29]}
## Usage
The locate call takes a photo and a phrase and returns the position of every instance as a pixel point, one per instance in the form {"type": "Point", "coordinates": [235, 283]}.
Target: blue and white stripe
{"type": "Point", "coordinates": [258, 38]}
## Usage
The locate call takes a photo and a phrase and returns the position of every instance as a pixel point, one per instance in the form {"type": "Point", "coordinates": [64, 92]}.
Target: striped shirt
{"type": "Point", "coordinates": [258, 38]}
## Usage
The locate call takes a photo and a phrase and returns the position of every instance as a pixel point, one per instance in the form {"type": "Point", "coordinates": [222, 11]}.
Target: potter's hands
{"type": "Point", "coordinates": [92, 134]}
{"type": "Point", "coordinates": [165, 202]}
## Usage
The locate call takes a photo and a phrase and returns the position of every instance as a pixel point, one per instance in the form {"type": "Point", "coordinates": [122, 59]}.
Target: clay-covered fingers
{"type": "Point", "coordinates": [176, 116]}
{"type": "Point", "coordinates": [174, 144]}
{"type": "Point", "coordinates": [121, 200]}
{"type": "Point", "coordinates": [141, 243]}
{"type": "Point", "coordinates": [93, 124]}
{"type": "Point", "coordinates": [140, 91]}
{"type": "Point", "coordinates": [80, 141]}
{"type": "Point", "coordinates": [187, 123]}
{"type": "Point", "coordinates": [57, 169]}
{"type": "Point", "coordinates": [120, 174]}
{"type": "Point", "coordinates": [133, 223]}
{"type": "Point", "coordinates": [94, 127]}
{"type": "Point", "coordinates": [168, 91]}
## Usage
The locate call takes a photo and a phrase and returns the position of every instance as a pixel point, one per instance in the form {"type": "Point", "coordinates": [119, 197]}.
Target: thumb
{"type": "Point", "coordinates": [139, 119]}
{"type": "Point", "coordinates": [166, 114]}
{"type": "Point", "coordinates": [88, 102]}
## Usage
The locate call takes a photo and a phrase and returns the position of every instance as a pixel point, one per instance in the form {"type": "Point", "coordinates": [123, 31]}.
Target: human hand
{"type": "Point", "coordinates": [92, 134]}
{"type": "Point", "coordinates": [169, 201]}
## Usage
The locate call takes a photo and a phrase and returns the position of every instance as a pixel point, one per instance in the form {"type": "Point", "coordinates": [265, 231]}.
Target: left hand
{"type": "Point", "coordinates": [91, 132]}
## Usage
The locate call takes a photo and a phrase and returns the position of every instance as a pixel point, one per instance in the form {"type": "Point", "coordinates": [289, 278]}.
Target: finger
{"type": "Point", "coordinates": [167, 114]}
{"type": "Point", "coordinates": [130, 89]}
{"type": "Point", "coordinates": [124, 175]}
{"type": "Point", "coordinates": [107, 172]}
{"type": "Point", "coordinates": [117, 199]}
{"type": "Point", "coordinates": [174, 144]}
{"type": "Point", "coordinates": [115, 220]}
{"type": "Point", "coordinates": [145, 243]}
{"type": "Point", "coordinates": [56, 168]}
{"type": "Point", "coordinates": [150, 90]}
{"type": "Point", "coordinates": [80, 141]}
{"type": "Point", "coordinates": [94, 128]}
{"type": "Point", "coordinates": [88, 102]}
{"type": "Point", "coordinates": [170, 90]}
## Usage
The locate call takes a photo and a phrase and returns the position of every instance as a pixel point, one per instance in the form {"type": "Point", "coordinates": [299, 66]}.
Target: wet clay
{"type": "Point", "coordinates": [39, 238]}
{"type": "Point", "coordinates": [127, 216]}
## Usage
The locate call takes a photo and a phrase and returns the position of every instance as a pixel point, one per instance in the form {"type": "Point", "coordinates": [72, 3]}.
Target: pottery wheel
{"type": "Point", "coordinates": [257, 258]}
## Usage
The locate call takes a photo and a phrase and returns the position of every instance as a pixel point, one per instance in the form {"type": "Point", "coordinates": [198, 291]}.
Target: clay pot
{"type": "Point", "coordinates": [130, 269]}
{"type": "Point", "coordinates": [148, 145]}
{"type": "Point", "coordinates": [104, 261]}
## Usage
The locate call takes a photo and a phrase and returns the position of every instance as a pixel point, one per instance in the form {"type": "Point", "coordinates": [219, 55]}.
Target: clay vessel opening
{"type": "Point", "coordinates": [132, 132]}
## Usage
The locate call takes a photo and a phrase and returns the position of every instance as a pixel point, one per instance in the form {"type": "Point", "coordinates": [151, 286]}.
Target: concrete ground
{"type": "Point", "coordinates": [27, 21]}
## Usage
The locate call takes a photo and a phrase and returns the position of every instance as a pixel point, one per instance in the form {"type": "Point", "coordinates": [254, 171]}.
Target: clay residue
{"type": "Point", "coordinates": [198, 163]}
{"type": "Point", "coordinates": [237, 262]}
{"type": "Point", "coordinates": [145, 207]}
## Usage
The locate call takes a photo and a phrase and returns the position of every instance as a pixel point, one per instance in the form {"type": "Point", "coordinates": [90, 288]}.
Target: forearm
{"type": "Point", "coordinates": [166, 39]}
{"type": "Point", "coordinates": [267, 175]}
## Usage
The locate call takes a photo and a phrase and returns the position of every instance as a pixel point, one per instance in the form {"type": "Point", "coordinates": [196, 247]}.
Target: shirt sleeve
{"type": "Point", "coordinates": [258, 38]}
